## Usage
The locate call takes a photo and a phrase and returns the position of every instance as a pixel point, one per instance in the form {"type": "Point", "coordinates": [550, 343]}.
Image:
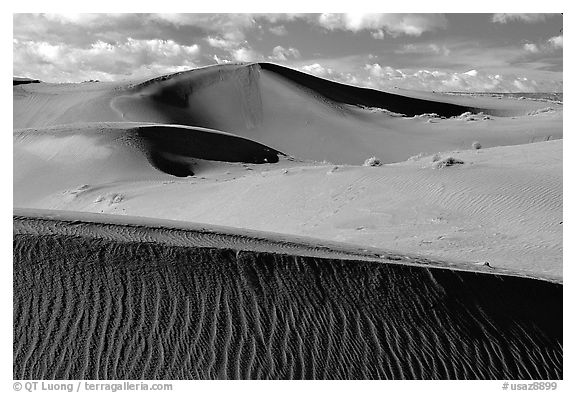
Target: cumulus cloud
{"type": "Point", "coordinates": [385, 77]}
{"type": "Point", "coordinates": [317, 69]}
{"type": "Point", "coordinates": [129, 58]}
{"type": "Point", "coordinates": [245, 54]}
{"type": "Point", "coordinates": [394, 24]}
{"type": "Point", "coordinates": [557, 42]}
{"type": "Point", "coordinates": [282, 54]}
{"type": "Point", "coordinates": [236, 50]}
{"type": "Point", "coordinates": [329, 73]}
{"type": "Point", "coordinates": [528, 18]}
{"type": "Point", "coordinates": [75, 47]}
{"type": "Point", "coordinates": [377, 71]}
{"type": "Point", "coordinates": [544, 47]}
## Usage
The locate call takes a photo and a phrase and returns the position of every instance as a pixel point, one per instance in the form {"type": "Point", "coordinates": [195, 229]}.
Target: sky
{"type": "Point", "coordinates": [432, 52]}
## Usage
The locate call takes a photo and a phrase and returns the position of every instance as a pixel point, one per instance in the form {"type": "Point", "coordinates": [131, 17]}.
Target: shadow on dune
{"type": "Point", "coordinates": [23, 81]}
{"type": "Point", "coordinates": [89, 308]}
{"type": "Point", "coordinates": [169, 147]}
{"type": "Point", "coordinates": [353, 95]}
{"type": "Point", "coordinates": [99, 147]}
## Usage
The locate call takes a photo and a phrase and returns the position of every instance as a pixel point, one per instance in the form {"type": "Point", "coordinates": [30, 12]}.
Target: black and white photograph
{"type": "Point", "coordinates": [287, 196]}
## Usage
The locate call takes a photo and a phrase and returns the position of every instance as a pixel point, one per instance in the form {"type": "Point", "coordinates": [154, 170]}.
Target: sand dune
{"type": "Point", "coordinates": [137, 307]}
{"type": "Point", "coordinates": [503, 205]}
{"type": "Point", "coordinates": [283, 256]}
{"type": "Point", "coordinates": [103, 152]}
{"type": "Point", "coordinates": [302, 115]}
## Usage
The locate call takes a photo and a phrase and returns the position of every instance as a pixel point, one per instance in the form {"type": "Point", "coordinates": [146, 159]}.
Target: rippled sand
{"type": "Point", "coordinates": [97, 301]}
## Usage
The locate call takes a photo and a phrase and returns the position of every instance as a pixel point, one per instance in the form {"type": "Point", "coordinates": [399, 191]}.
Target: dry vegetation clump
{"type": "Point", "coordinates": [111, 198]}
{"type": "Point", "coordinates": [428, 116]}
{"type": "Point", "coordinates": [373, 161]}
{"type": "Point", "coordinates": [446, 162]}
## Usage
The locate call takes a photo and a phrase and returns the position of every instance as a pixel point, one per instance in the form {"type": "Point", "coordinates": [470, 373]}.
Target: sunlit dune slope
{"type": "Point", "coordinates": [502, 205]}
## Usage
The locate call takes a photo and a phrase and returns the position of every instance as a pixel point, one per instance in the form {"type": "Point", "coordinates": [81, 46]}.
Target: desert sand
{"type": "Point", "coordinates": [443, 262]}
{"type": "Point", "coordinates": [145, 300]}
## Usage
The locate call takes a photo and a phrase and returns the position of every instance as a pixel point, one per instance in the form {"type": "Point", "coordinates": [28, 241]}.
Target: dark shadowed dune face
{"type": "Point", "coordinates": [167, 147]}
{"type": "Point", "coordinates": [23, 81]}
{"type": "Point", "coordinates": [353, 95]}
{"type": "Point", "coordinates": [98, 308]}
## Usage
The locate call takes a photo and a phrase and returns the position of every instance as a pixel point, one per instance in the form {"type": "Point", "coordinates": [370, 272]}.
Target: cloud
{"type": "Point", "coordinates": [328, 73]}
{"type": "Point", "coordinates": [385, 77]}
{"type": "Point", "coordinates": [532, 48]}
{"type": "Point", "coordinates": [278, 30]}
{"type": "Point", "coordinates": [317, 69]}
{"type": "Point", "coordinates": [394, 24]}
{"type": "Point", "coordinates": [282, 54]}
{"type": "Point", "coordinates": [245, 54]}
{"type": "Point", "coordinates": [83, 19]}
{"type": "Point", "coordinates": [546, 47]}
{"type": "Point", "coordinates": [377, 71]}
{"type": "Point", "coordinates": [179, 27]}
{"type": "Point", "coordinates": [75, 47]}
{"type": "Point", "coordinates": [527, 18]}
{"type": "Point", "coordinates": [102, 60]}
{"type": "Point", "coordinates": [221, 43]}
{"type": "Point", "coordinates": [424, 49]}
{"type": "Point", "coordinates": [557, 42]}
{"type": "Point", "coordinates": [231, 26]}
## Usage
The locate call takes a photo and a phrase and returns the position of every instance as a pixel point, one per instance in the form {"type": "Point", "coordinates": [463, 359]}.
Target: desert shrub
{"type": "Point", "coordinates": [448, 161]}
{"type": "Point", "coordinates": [428, 116]}
{"type": "Point", "coordinates": [332, 170]}
{"type": "Point", "coordinates": [476, 145]}
{"type": "Point", "coordinates": [373, 161]}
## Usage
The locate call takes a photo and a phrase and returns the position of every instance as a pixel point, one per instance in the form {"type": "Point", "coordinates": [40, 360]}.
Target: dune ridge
{"type": "Point", "coordinates": [299, 114]}
{"type": "Point", "coordinates": [120, 228]}
{"type": "Point", "coordinates": [98, 308]}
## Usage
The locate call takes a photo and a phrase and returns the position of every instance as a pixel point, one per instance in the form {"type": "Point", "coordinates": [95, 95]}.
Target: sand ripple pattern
{"type": "Point", "coordinates": [96, 308]}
